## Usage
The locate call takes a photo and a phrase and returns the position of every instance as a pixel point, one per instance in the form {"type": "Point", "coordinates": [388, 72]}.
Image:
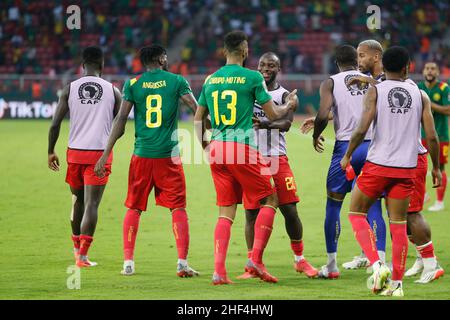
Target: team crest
{"type": "Point", "coordinates": [356, 89]}
{"type": "Point", "coordinates": [90, 93]}
{"type": "Point", "coordinates": [399, 100]}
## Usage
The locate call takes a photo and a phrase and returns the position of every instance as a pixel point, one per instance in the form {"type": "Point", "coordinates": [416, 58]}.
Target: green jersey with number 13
{"type": "Point", "coordinates": [230, 94]}
{"type": "Point", "coordinates": [155, 96]}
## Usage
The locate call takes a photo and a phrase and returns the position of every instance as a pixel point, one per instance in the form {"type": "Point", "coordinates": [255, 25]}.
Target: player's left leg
{"type": "Point", "coordinates": [440, 191]}
{"type": "Point", "coordinates": [421, 237]}
{"type": "Point", "coordinates": [180, 228]}
{"type": "Point", "coordinates": [263, 230]}
{"type": "Point", "coordinates": [397, 206]}
{"type": "Point", "coordinates": [92, 197]}
{"type": "Point", "coordinates": [222, 234]}
{"type": "Point", "coordinates": [365, 192]}
{"type": "Point", "coordinates": [170, 192]}
{"type": "Point", "coordinates": [250, 219]}
{"type": "Point", "coordinates": [75, 218]}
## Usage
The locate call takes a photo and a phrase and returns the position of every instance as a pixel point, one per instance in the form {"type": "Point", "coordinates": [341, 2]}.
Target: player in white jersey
{"type": "Point", "coordinates": [345, 104]}
{"type": "Point", "coordinates": [396, 108]}
{"type": "Point", "coordinates": [419, 231]}
{"type": "Point", "coordinates": [271, 142]}
{"type": "Point", "coordinates": [92, 103]}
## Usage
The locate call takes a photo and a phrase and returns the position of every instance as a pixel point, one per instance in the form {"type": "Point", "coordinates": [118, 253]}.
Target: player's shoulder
{"type": "Point", "coordinates": [132, 81]}
{"type": "Point", "coordinates": [253, 74]}
{"type": "Point", "coordinates": [443, 85]}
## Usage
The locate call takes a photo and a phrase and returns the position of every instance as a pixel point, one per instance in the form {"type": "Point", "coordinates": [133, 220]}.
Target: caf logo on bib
{"type": "Point", "coordinates": [90, 93]}
{"type": "Point", "coordinates": [358, 89]}
{"type": "Point", "coordinates": [399, 100]}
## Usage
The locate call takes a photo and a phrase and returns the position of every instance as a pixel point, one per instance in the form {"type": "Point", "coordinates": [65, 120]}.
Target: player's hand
{"type": "Point", "coordinates": [258, 124]}
{"type": "Point", "coordinates": [318, 144]}
{"type": "Point", "coordinates": [53, 162]}
{"type": "Point", "coordinates": [292, 99]}
{"type": "Point", "coordinates": [307, 125]}
{"type": "Point", "coordinates": [99, 169]}
{"type": "Point", "coordinates": [437, 177]}
{"type": "Point", "coordinates": [345, 161]}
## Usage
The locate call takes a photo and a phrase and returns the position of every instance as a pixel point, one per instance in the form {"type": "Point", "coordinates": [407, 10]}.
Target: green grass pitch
{"type": "Point", "coordinates": [36, 247]}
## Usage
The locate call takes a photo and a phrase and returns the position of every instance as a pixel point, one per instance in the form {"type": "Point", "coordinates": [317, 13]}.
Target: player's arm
{"type": "Point", "coordinates": [308, 124]}
{"type": "Point", "coordinates": [55, 127]}
{"type": "Point", "coordinates": [283, 124]}
{"type": "Point", "coordinates": [200, 119]}
{"type": "Point", "coordinates": [277, 112]}
{"type": "Point", "coordinates": [118, 129]}
{"type": "Point", "coordinates": [368, 115]}
{"type": "Point", "coordinates": [431, 138]}
{"type": "Point", "coordinates": [321, 120]}
{"type": "Point", "coordinates": [117, 101]}
{"type": "Point", "coordinates": [445, 108]}
{"type": "Point", "coordinates": [358, 80]}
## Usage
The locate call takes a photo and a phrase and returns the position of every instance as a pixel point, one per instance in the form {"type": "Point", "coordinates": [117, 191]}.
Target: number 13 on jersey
{"type": "Point", "coordinates": [153, 104]}
{"type": "Point", "coordinates": [231, 106]}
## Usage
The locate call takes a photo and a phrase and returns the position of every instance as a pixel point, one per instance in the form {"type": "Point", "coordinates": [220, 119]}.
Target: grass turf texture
{"type": "Point", "coordinates": [36, 247]}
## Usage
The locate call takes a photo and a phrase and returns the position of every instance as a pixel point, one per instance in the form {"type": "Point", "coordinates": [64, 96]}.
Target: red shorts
{"type": "Point", "coordinates": [166, 175]}
{"type": "Point", "coordinates": [418, 195]}
{"type": "Point", "coordinates": [284, 182]}
{"type": "Point", "coordinates": [238, 169]}
{"type": "Point", "coordinates": [374, 186]}
{"type": "Point", "coordinates": [79, 175]}
{"type": "Point", "coordinates": [80, 168]}
{"type": "Point", "coordinates": [443, 151]}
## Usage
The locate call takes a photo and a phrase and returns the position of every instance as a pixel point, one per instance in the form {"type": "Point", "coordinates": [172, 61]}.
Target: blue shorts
{"type": "Point", "coordinates": [336, 180]}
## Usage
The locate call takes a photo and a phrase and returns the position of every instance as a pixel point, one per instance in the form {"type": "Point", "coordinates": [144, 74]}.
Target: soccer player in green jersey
{"type": "Point", "coordinates": [438, 92]}
{"type": "Point", "coordinates": [155, 162]}
{"type": "Point", "coordinates": [237, 168]}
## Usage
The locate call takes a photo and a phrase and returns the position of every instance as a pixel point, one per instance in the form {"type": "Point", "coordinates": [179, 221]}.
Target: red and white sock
{"type": "Point", "coordinates": [297, 248]}
{"type": "Point", "coordinates": [249, 254]}
{"type": "Point", "coordinates": [263, 230]}
{"type": "Point", "coordinates": [399, 249]}
{"type": "Point", "coordinates": [180, 227]}
{"type": "Point", "coordinates": [130, 229]}
{"type": "Point", "coordinates": [222, 236]}
{"type": "Point", "coordinates": [426, 251]}
{"type": "Point", "coordinates": [85, 243]}
{"type": "Point", "coordinates": [365, 237]}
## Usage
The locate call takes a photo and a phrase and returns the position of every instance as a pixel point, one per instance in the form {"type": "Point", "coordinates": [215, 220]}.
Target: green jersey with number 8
{"type": "Point", "coordinates": [155, 96]}
{"type": "Point", "coordinates": [230, 94]}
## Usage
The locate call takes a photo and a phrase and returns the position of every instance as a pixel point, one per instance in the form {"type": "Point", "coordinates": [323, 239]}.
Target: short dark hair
{"type": "Point", "coordinates": [151, 54]}
{"type": "Point", "coordinates": [346, 55]}
{"type": "Point", "coordinates": [93, 55]}
{"type": "Point", "coordinates": [234, 39]}
{"type": "Point", "coordinates": [395, 59]}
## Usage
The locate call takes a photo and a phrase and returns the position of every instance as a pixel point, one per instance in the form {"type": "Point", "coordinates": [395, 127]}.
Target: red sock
{"type": "Point", "coordinates": [130, 229]}
{"type": "Point", "coordinates": [249, 254]}
{"type": "Point", "coordinates": [399, 250]}
{"type": "Point", "coordinates": [263, 230]}
{"type": "Point", "coordinates": [180, 229]}
{"type": "Point", "coordinates": [221, 239]}
{"type": "Point", "coordinates": [85, 243]}
{"type": "Point", "coordinates": [426, 250]}
{"type": "Point", "coordinates": [365, 237]}
{"type": "Point", "coordinates": [297, 247]}
{"type": "Point", "coordinates": [440, 192]}
{"type": "Point", "coordinates": [76, 241]}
